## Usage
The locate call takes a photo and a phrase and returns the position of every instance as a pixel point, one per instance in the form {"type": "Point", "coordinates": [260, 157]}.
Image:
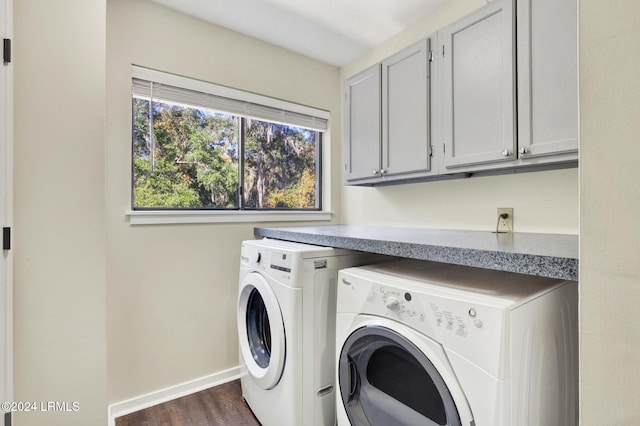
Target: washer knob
{"type": "Point", "coordinates": [255, 257]}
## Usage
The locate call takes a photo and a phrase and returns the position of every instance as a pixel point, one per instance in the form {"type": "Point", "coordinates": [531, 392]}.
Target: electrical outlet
{"type": "Point", "coordinates": [505, 223]}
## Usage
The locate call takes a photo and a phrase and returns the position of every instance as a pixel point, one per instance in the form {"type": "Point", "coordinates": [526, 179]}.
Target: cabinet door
{"type": "Point", "coordinates": [547, 77]}
{"type": "Point", "coordinates": [362, 120]}
{"type": "Point", "coordinates": [405, 112]}
{"type": "Point", "coordinates": [478, 87]}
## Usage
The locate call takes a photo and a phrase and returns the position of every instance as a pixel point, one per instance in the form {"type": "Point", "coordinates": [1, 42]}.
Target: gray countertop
{"type": "Point", "coordinates": [547, 255]}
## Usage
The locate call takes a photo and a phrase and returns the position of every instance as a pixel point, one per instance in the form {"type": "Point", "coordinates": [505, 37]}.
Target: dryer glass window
{"type": "Point", "coordinates": [385, 379]}
{"type": "Point", "coordinates": [258, 329]}
{"type": "Point", "coordinates": [398, 374]}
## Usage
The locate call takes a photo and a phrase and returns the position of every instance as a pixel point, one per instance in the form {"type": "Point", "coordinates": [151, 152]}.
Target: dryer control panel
{"type": "Point", "coordinates": [419, 310]}
{"type": "Point", "coordinates": [460, 322]}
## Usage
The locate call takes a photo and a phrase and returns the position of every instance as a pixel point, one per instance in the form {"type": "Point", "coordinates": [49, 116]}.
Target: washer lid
{"type": "Point", "coordinates": [261, 331]}
{"type": "Point", "coordinates": [305, 251]}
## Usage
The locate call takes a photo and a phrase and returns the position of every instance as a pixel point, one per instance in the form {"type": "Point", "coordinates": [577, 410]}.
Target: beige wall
{"type": "Point", "coordinates": [542, 201]}
{"type": "Point", "coordinates": [172, 289]}
{"type": "Point", "coordinates": [169, 291]}
{"type": "Point", "coordinates": [60, 250]}
{"type": "Point", "coordinates": [609, 212]}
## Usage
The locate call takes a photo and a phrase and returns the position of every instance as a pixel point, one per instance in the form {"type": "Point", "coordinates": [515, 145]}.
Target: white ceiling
{"type": "Point", "coordinates": [333, 31]}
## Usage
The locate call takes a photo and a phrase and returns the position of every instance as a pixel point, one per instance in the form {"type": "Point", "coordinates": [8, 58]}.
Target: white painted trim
{"type": "Point", "coordinates": [6, 203]}
{"type": "Point", "coordinates": [155, 217]}
{"type": "Point", "coordinates": [141, 402]}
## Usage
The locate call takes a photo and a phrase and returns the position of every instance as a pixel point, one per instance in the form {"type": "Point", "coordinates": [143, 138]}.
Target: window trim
{"type": "Point", "coordinates": [159, 217]}
{"type": "Point", "coordinates": [178, 216]}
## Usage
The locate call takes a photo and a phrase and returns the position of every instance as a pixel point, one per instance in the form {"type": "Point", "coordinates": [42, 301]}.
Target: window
{"type": "Point", "coordinates": [198, 146]}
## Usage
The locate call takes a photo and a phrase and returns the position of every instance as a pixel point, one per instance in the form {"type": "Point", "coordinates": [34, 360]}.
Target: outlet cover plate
{"type": "Point", "coordinates": [505, 225]}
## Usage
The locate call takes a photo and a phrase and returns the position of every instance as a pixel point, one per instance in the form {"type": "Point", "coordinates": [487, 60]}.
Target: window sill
{"type": "Point", "coordinates": [178, 217]}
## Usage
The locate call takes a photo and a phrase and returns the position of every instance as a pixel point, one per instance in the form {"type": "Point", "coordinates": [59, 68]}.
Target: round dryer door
{"type": "Point", "coordinates": [261, 331]}
{"type": "Point", "coordinates": [386, 379]}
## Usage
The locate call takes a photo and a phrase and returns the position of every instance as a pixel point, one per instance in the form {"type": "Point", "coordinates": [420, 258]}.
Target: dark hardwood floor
{"type": "Point", "coordinates": [220, 405]}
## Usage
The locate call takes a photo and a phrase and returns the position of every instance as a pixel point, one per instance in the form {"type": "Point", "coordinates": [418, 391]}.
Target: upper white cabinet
{"type": "Point", "coordinates": [478, 88]}
{"type": "Point", "coordinates": [547, 79]}
{"type": "Point", "coordinates": [387, 124]}
{"type": "Point", "coordinates": [505, 98]}
{"type": "Point", "coordinates": [362, 125]}
{"type": "Point", "coordinates": [405, 112]}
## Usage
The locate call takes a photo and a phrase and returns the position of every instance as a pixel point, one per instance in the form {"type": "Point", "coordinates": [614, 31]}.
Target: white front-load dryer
{"type": "Point", "coordinates": [424, 343]}
{"type": "Point", "coordinates": [286, 329]}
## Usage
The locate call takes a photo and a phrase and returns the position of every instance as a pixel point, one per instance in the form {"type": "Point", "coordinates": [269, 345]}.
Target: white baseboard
{"type": "Point", "coordinates": [167, 394]}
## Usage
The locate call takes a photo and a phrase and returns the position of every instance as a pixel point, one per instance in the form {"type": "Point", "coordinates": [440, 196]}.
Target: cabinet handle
{"type": "Point", "coordinates": [523, 150]}
{"type": "Point", "coordinates": [383, 172]}
{"type": "Point", "coordinates": [375, 172]}
{"type": "Point", "coordinates": [506, 153]}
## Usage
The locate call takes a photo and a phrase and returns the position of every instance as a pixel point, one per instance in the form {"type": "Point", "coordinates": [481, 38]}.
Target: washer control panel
{"type": "Point", "coordinates": [280, 261]}
{"type": "Point", "coordinates": [255, 257]}
{"type": "Point", "coordinates": [279, 264]}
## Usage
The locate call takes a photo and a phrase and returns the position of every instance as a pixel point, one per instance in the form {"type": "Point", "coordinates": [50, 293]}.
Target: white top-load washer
{"type": "Point", "coordinates": [423, 343]}
{"type": "Point", "coordinates": [286, 328]}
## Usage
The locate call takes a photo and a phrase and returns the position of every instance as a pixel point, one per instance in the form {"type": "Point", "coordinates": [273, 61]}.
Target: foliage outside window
{"type": "Point", "coordinates": [192, 156]}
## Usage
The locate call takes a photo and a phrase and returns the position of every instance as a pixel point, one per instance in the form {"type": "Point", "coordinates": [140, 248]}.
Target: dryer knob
{"type": "Point", "coordinates": [393, 304]}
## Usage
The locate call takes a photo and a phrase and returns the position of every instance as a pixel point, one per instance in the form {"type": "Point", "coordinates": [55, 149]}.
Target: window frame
{"type": "Point", "coordinates": [146, 216]}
